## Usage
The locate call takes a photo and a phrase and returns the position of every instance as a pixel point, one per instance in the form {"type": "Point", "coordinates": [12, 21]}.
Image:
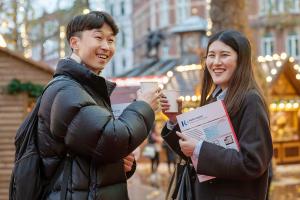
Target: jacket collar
{"type": "Point", "coordinates": [219, 94]}
{"type": "Point", "coordinates": [77, 71]}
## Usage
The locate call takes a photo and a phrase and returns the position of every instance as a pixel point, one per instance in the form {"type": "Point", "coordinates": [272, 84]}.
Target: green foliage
{"type": "Point", "coordinates": [33, 90]}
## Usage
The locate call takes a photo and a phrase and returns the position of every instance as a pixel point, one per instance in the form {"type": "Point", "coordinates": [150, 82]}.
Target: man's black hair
{"type": "Point", "coordinates": [92, 20]}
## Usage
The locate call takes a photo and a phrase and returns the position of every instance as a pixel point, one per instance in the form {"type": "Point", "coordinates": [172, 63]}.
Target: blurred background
{"type": "Point", "coordinates": [164, 41]}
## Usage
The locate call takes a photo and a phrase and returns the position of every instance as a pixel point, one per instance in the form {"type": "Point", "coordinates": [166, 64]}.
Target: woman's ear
{"type": "Point", "coordinates": [74, 43]}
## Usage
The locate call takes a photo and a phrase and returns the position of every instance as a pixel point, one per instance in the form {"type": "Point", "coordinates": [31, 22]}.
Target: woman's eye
{"type": "Point", "coordinates": [210, 55]}
{"type": "Point", "coordinates": [99, 38]}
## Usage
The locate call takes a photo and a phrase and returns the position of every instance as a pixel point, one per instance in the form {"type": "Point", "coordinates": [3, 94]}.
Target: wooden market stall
{"type": "Point", "coordinates": [14, 107]}
{"type": "Point", "coordinates": [284, 94]}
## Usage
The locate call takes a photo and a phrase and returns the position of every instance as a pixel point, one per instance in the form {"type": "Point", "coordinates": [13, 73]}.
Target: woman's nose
{"type": "Point", "coordinates": [217, 60]}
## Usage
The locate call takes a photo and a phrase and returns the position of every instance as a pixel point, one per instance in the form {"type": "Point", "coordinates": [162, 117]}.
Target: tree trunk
{"type": "Point", "coordinates": [15, 29]}
{"type": "Point", "coordinates": [232, 14]}
{"type": "Point", "coordinates": [228, 14]}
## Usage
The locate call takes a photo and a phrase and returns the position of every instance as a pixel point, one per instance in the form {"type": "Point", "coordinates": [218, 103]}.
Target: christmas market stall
{"type": "Point", "coordinates": [21, 81]}
{"type": "Point", "coordinates": [283, 79]}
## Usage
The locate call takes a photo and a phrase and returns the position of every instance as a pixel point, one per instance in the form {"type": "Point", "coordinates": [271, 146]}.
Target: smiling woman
{"type": "Point", "coordinates": [228, 76]}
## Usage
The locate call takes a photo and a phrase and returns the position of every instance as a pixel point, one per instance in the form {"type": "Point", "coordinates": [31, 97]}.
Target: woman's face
{"type": "Point", "coordinates": [221, 63]}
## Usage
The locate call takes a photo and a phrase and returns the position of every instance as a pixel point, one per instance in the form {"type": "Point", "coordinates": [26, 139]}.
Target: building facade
{"type": "Point", "coordinates": [164, 15]}
{"type": "Point", "coordinates": [121, 10]}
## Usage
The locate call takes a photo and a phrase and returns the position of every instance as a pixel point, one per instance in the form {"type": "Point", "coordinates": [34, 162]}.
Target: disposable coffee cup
{"type": "Point", "coordinates": [172, 96]}
{"type": "Point", "coordinates": [149, 86]}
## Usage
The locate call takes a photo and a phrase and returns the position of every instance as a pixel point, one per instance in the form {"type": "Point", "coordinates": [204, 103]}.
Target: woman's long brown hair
{"type": "Point", "coordinates": [242, 79]}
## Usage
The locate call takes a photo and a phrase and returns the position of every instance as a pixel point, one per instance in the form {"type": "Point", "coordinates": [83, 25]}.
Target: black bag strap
{"type": "Point", "coordinates": [66, 175]}
{"type": "Point", "coordinates": [183, 166]}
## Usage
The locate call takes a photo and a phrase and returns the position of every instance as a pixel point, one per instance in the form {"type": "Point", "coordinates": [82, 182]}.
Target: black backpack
{"type": "Point", "coordinates": [27, 179]}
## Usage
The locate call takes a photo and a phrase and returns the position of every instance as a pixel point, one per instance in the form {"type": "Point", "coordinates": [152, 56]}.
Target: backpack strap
{"type": "Point", "coordinates": [66, 175]}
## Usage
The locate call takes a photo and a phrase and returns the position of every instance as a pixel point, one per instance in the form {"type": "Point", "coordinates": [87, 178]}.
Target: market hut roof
{"type": "Point", "coordinates": [40, 65]}
{"type": "Point", "coordinates": [281, 72]}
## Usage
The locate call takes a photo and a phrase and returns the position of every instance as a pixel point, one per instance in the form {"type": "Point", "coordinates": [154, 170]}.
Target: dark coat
{"type": "Point", "coordinates": [240, 175]}
{"type": "Point", "coordinates": [77, 117]}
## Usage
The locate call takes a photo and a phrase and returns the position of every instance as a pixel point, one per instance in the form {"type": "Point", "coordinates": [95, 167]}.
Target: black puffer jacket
{"type": "Point", "coordinates": [76, 116]}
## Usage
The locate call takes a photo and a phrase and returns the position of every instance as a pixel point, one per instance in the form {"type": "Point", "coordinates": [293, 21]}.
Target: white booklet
{"type": "Point", "coordinates": [210, 123]}
{"type": "Point", "coordinates": [118, 109]}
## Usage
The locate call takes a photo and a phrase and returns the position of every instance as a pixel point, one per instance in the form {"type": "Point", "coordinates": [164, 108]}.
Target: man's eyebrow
{"type": "Point", "coordinates": [100, 31]}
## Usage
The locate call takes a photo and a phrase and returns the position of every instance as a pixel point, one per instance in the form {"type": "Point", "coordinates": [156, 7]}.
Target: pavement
{"type": "Point", "coordinates": [147, 186]}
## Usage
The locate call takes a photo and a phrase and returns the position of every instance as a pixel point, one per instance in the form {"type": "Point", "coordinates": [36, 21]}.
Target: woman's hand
{"type": "Point", "coordinates": [187, 144]}
{"type": "Point", "coordinates": [128, 162]}
{"type": "Point", "coordinates": [165, 107]}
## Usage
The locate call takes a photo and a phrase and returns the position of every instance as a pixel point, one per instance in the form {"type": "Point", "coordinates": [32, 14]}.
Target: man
{"type": "Point", "coordinates": [76, 121]}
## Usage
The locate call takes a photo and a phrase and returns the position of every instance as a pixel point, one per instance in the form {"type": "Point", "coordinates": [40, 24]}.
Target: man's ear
{"type": "Point", "coordinates": [74, 42]}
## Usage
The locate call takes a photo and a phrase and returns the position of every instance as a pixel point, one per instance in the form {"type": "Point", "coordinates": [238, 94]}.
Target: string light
{"type": "Point", "coordinates": [2, 42]}
{"type": "Point", "coordinates": [279, 60]}
{"type": "Point", "coordinates": [283, 56]}
{"type": "Point", "coordinates": [62, 36]}
{"type": "Point", "coordinates": [183, 68]}
{"type": "Point", "coordinates": [209, 22]}
{"type": "Point", "coordinates": [86, 11]}
{"type": "Point", "coordinates": [285, 105]}
{"type": "Point", "coordinates": [269, 79]}
{"type": "Point", "coordinates": [273, 71]}
{"type": "Point", "coordinates": [278, 63]}
{"type": "Point", "coordinates": [170, 74]}
{"type": "Point", "coordinates": [291, 59]}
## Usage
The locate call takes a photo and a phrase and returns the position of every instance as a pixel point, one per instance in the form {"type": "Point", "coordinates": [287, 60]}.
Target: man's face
{"type": "Point", "coordinates": [95, 47]}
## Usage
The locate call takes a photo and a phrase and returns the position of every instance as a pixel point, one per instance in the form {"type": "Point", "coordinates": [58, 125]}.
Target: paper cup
{"type": "Point", "coordinates": [147, 86]}
{"type": "Point", "coordinates": [172, 96]}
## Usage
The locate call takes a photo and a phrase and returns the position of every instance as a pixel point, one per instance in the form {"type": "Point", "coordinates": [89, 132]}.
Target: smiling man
{"type": "Point", "coordinates": [76, 123]}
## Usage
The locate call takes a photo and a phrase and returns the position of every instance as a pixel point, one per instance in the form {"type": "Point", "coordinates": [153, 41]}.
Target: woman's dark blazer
{"type": "Point", "coordinates": [240, 175]}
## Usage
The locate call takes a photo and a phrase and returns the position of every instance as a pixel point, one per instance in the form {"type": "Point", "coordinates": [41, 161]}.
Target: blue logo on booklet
{"type": "Point", "coordinates": [184, 123]}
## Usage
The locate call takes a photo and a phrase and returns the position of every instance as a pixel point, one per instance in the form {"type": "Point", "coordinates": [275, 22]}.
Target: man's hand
{"type": "Point", "coordinates": [187, 144]}
{"type": "Point", "coordinates": [128, 162]}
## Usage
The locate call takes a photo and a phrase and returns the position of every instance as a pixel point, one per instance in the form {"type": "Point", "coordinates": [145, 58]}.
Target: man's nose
{"type": "Point", "coordinates": [104, 45]}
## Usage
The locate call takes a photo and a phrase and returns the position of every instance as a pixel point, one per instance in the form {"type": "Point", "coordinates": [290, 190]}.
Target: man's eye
{"type": "Point", "coordinates": [111, 41]}
{"type": "Point", "coordinates": [99, 38]}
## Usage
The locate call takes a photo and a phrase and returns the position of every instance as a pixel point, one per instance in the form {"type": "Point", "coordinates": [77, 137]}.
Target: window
{"type": "Point", "coordinates": [124, 63]}
{"type": "Point", "coordinates": [123, 39]}
{"type": "Point", "coordinates": [164, 13]}
{"type": "Point", "coordinates": [292, 45]}
{"type": "Point", "coordinates": [122, 7]}
{"type": "Point", "coordinates": [277, 6]}
{"type": "Point", "coordinates": [152, 15]}
{"type": "Point", "coordinates": [293, 6]}
{"type": "Point", "coordinates": [112, 10]}
{"type": "Point", "coordinates": [271, 6]}
{"type": "Point", "coordinates": [267, 45]}
{"type": "Point", "coordinates": [263, 7]}
{"type": "Point", "coordinates": [182, 7]}
{"type": "Point", "coordinates": [113, 68]}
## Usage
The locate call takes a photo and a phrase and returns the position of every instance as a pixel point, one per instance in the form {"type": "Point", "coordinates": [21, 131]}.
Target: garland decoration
{"type": "Point", "coordinates": [16, 86]}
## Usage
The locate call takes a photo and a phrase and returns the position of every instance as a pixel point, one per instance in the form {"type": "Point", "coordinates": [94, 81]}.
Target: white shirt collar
{"type": "Point", "coordinates": [219, 93]}
{"type": "Point", "coordinates": [76, 58]}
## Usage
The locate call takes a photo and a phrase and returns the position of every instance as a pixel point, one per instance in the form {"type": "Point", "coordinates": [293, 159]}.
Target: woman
{"type": "Point", "coordinates": [228, 76]}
